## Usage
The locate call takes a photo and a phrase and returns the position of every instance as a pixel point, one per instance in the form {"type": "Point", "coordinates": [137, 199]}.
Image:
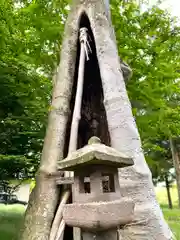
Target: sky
{"type": "Point", "coordinates": [173, 6]}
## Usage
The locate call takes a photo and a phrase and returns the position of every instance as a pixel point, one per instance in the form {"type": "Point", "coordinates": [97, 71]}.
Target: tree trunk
{"type": "Point", "coordinates": [176, 163]}
{"type": "Point", "coordinates": [43, 200]}
{"type": "Point", "coordinates": [135, 181]}
{"type": "Point", "coordinates": [168, 191]}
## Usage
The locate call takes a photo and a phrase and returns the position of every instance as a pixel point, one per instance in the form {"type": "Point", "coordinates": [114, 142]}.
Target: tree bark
{"type": "Point", "coordinates": [168, 191]}
{"type": "Point", "coordinates": [43, 200]}
{"type": "Point", "coordinates": [176, 163]}
{"type": "Point", "coordinates": [136, 181]}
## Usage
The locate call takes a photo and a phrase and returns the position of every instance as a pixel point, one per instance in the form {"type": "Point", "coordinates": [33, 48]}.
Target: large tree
{"type": "Point", "coordinates": [175, 149]}
{"type": "Point", "coordinates": [25, 68]}
{"type": "Point", "coordinates": [136, 181]}
{"type": "Point", "coordinates": [30, 44]}
{"type": "Point", "coordinates": [24, 94]}
{"type": "Point", "coordinates": [159, 158]}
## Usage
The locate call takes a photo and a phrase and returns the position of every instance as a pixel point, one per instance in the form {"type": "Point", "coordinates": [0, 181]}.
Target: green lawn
{"type": "Point", "coordinates": [11, 217]}
{"type": "Point", "coordinates": [173, 219]}
{"type": "Point", "coordinates": [162, 195]}
{"type": "Point", "coordinates": [10, 220]}
{"type": "Point", "coordinates": [172, 216]}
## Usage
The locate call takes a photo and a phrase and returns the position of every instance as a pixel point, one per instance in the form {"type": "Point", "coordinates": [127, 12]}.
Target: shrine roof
{"type": "Point", "coordinates": [95, 153]}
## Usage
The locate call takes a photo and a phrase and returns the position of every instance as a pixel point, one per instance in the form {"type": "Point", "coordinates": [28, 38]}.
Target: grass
{"type": "Point", "coordinates": [162, 195]}
{"type": "Point", "coordinates": [10, 221]}
{"type": "Point", "coordinates": [173, 219]}
{"type": "Point", "coordinates": [172, 216]}
{"type": "Point", "coordinates": [11, 216]}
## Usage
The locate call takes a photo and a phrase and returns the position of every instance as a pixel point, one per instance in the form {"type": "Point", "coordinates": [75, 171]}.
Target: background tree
{"type": "Point", "coordinates": [159, 158]}
{"type": "Point", "coordinates": [149, 43]}
{"type": "Point", "coordinates": [25, 69]}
